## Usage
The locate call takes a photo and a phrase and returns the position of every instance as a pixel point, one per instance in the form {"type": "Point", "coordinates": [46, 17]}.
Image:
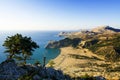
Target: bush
{"type": "Point", "coordinates": [51, 63]}
{"type": "Point", "coordinates": [37, 63]}
{"type": "Point", "coordinates": [87, 77]}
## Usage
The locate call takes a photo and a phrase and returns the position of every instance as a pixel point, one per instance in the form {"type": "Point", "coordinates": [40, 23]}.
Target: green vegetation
{"type": "Point", "coordinates": [51, 63]}
{"type": "Point", "coordinates": [25, 77]}
{"type": "Point", "coordinates": [109, 48]}
{"type": "Point", "coordinates": [19, 47]}
{"type": "Point", "coordinates": [64, 43]}
{"type": "Point", "coordinates": [37, 63]}
{"type": "Point", "coordinates": [75, 42]}
{"type": "Point", "coordinates": [83, 57]}
{"type": "Point", "coordinates": [85, 77]}
{"type": "Point", "coordinates": [28, 76]}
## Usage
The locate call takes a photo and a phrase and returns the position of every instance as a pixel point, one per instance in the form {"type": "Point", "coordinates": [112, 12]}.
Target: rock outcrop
{"type": "Point", "coordinates": [9, 70]}
{"type": "Point", "coordinates": [63, 43]}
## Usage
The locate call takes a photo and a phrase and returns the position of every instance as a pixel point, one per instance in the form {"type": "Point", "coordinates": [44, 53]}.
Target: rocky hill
{"type": "Point", "coordinates": [98, 53]}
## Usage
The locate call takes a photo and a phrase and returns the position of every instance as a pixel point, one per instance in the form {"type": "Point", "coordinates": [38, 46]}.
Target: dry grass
{"type": "Point", "coordinates": [78, 62]}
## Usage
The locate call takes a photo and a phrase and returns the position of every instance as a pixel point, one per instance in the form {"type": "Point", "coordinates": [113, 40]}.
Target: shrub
{"type": "Point", "coordinates": [51, 63]}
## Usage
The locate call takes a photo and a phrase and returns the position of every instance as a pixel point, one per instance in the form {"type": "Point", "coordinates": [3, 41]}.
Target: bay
{"type": "Point", "coordinates": [40, 37]}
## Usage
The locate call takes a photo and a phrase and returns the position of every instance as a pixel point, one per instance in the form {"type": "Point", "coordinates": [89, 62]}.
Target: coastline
{"type": "Point", "coordinates": [87, 64]}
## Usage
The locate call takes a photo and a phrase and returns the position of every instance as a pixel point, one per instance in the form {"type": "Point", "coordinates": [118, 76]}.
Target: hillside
{"type": "Point", "coordinates": [103, 41]}
{"type": "Point", "coordinates": [79, 62]}
{"type": "Point", "coordinates": [98, 53]}
{"type": "Point", "coordinates": [108, 47]}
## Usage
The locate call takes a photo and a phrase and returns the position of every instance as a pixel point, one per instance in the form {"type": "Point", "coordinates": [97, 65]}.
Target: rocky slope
{"type": "Point", "coordinates": [9, 70]}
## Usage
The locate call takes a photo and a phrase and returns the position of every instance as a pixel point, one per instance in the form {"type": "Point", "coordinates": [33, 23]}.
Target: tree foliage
{"type": "Point", "coordinates": [19, 47]}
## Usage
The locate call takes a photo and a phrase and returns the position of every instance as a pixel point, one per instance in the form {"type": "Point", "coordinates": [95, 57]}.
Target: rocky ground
{"type": "Point", "coordinates": [9, 70]}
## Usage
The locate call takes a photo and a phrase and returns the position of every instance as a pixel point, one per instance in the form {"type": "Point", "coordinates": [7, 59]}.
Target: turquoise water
{"type": "Point", "coordinates": [40, 37]}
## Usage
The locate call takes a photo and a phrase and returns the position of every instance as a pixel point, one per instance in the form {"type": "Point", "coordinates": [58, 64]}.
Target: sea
{"type": "Point", "coordinates": [41, 38]}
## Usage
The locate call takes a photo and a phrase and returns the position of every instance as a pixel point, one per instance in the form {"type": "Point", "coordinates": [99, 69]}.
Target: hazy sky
{"type": "Point", "coordinates": [58, 14]}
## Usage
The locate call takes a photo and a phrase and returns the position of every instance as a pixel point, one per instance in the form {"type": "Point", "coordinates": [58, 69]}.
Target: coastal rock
{"type": "Point", "coordinates": [64, 34]}
{"type": "Point", "coordinates": [63, 43]}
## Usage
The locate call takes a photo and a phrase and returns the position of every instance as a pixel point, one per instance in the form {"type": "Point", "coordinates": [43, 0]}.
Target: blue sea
{"type": "Point", "coordinates": [40, 37]}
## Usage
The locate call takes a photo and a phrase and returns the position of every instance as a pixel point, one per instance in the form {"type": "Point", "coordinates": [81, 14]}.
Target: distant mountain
{"type": "Point", "coordinates": [105, 29]}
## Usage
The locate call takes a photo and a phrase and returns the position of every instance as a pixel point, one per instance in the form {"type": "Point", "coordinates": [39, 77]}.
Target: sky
{"type": "Point", "coordinates": [58, 14]}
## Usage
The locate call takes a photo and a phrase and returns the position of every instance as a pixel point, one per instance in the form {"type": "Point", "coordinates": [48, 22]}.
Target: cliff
{"type": "Point", "coordinates": [63, 43]}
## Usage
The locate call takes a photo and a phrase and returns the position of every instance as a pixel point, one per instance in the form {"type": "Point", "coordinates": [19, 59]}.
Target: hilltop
{"type": "Point", "coordinates": [105, 29]}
